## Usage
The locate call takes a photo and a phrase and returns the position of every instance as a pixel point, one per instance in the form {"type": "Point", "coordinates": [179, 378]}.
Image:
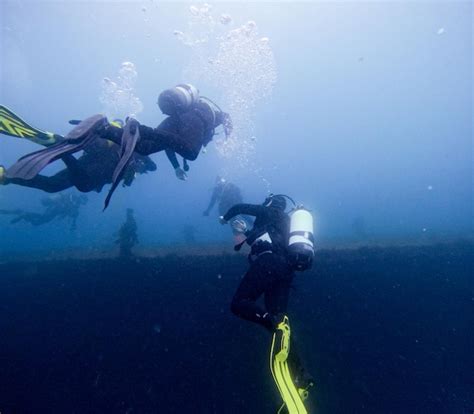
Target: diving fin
{"type": "Point", "coordinates": [12, 125]}
{"type": "Point", "coordinates": [279, 352]}
{"type": "Point", "coordinates": [130, 136]}
{"type": "Point", "coordinates": [30, 165]}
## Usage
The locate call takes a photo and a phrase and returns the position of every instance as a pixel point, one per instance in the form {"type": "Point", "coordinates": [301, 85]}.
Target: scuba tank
{"type": "Point", "coordinates": [178, 99]}
{"type": "Point", "coordinates": [301, 239]}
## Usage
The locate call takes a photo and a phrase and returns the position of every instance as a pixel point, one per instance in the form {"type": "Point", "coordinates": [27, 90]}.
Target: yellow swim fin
{"type": "Point", "coordinates": [280, 349]}
{"type": "Point", "coordinates": [12, 125]}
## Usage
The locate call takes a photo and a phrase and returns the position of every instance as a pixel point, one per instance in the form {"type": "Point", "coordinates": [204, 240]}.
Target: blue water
{"type": "Point", "coordinates": [362, 111]}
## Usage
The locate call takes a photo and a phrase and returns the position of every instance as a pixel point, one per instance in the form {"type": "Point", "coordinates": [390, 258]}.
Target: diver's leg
{"type": "Point", "coordinates": [54, 184]}
{"type": "Point", "coordinates": [276, 301]}
{"type": "Point", "coordinates": [150, 141]}
{"type": "Point", "coordinates": [253, 285]}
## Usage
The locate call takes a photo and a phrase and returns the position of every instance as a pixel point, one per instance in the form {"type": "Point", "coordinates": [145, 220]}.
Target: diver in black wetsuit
{"type": "Point", "coordinates": [270, 273]}
{"type": "Point", "coordinates": [227, 194]}
{"type": "Point", "coordinates": [127, 235]}
{"type": "Point", "coordinates": [90, 172]}
{"type": "Point", "coordinates": [189, 127]}
{"type": "Point", "coordinates": [59, 206]}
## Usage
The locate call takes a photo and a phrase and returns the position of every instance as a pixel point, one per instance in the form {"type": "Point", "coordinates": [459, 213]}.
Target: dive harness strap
{"type": "Point", "coordinates": [280, 349]}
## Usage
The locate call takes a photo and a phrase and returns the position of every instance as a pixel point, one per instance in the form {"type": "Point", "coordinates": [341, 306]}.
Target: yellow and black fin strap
{"type": "Point", "coordinates": [281, 374]}
{"type": "Point", "coordinates": [12, 125]}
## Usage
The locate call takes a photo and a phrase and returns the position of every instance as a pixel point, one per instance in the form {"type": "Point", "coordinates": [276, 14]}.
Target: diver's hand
{"type": "Point", "coordinates": [222, 220]}
{"type": "Point", "coordinates": [180, 174]}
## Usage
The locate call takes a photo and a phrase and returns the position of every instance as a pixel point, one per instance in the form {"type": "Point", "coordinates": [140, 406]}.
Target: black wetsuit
{"type": "Point", "coordinates": [184, 133]}
{"type": "Point", "coordinates": [269, 273]}
{"type": "Point", "coordinates": [90, 172]}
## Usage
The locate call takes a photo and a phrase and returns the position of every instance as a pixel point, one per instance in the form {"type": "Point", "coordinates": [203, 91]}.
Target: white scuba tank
{"type": "Point", "coordinates": [301, 239]}
{"type": "Point", "coordinates": [189, 92]}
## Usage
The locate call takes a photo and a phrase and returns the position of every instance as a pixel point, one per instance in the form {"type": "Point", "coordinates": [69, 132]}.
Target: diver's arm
{"type": "Point", "coordinates": [185, 165]}
{"type": "Point", "coordinates": [174, 162]}
{"type": "Point", "coordinates": [248, 209]}
{"type": "Point", "coordinates": [172, 157]}
{"type": "Point", "coordinates": [211, 202]}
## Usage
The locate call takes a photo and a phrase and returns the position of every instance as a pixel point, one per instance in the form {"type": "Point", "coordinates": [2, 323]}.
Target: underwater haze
{"type": "Point", "coordinates": [362, 111]}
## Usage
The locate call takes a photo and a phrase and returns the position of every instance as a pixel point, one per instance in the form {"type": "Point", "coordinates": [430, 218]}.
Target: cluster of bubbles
{"type": "Point", "coordinates": [239, 63]}
{"type": "Point", "coordinates": [118, 95]}
{"type": "Point", "coordinates": [201, 26]}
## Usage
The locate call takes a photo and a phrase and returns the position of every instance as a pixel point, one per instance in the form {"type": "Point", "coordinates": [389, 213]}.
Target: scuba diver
{"type": "Point", "coordinates": [228, 194]}
{"type": "Point", "coordinates": [280, 243]}
{"type": "Point", "coordinates": [190, 126]}
{"type": "Point", "coordinates": [90, 172]}
{"type": "Point", "coordinates": [127, 235]}
{"type": "Point", "coordinates": [57, 206]}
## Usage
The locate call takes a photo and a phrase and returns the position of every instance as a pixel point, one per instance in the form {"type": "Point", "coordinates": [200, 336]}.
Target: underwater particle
{"type": "Point", "coordinates": [253, 138]}
{"type": "Point", "coordinates": [194, 10]}
{"type": "Point", "coordinates": [430, 187]}
{"type": "Point", "coordinates": [157, 328]}
{"type": "Point", "coordinates": [423, 229]}
{"type": "Point", "coordinates": [178, 33]}
{"type": "Point", "coordinates": [219, 276]}
{"type": "Point", "coordinates": [440, 31]}
{"type": "Point", "coordinates": [361, 58]}
{"type": "Point", "coordinates": [225, 18]}
{"type": "Point", "coordinates": [144, 9]}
